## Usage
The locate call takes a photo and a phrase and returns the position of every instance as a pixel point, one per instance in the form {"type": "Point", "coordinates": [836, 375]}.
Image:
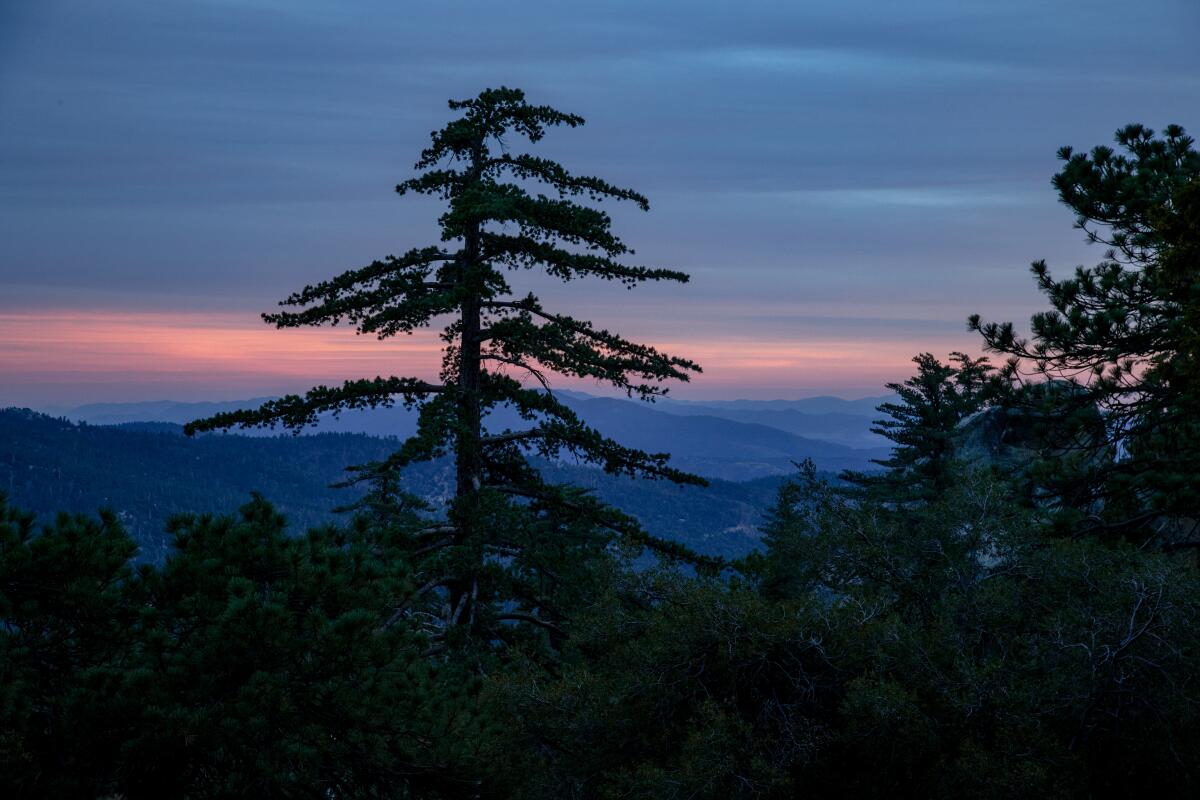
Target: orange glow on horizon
{"type": "Point", "coordinates": [235, 350]}
{"type": "Point", "coordinates": [115, 343]}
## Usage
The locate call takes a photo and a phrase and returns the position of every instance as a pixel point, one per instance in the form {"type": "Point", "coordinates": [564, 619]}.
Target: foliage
{"type": "Point", "coordinates": [496, 222]}
{"type": "Point", "coordinates": [939, 650]}
{"type": "Point", "coordinates": [677, 688]}
{"type": "Point", "coordinates": [925, 427]}
{"type": "Point", "coordinates": [975, 643]}
{"type": "Point", "coordinates": [250, 663]}
{"type": "Point", "coordinates": [1119, 342]}
{"type": "Point", "coordinates": [67, 627]}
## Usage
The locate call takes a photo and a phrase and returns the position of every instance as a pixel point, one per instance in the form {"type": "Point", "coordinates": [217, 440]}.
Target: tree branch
{"type": "Point", "coordinates": [514, 436]}
{"type": "Point", "coordinates": [519, 617]}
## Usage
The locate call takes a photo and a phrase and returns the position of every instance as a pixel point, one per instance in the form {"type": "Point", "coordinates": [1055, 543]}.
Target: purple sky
{"type": "Point", "coordinates": [846, 181]}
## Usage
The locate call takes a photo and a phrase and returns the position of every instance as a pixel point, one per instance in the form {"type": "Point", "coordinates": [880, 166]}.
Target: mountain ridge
{"type": "Point", "coordinates": [797, 434]}
{"type": "Point", "coordinates": [148, 472]}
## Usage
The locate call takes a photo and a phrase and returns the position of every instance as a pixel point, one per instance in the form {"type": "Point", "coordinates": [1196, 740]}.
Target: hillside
{"type": "Point", "coordinates": [714, 446]}
{"type": "Point", "coordinates": [849, 430]}
{"type": "Point", "coordinates": [148, 472]}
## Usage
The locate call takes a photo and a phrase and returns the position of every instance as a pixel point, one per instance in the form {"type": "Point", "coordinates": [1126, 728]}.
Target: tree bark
{"type": "Point", "coordinates": [468, 453]}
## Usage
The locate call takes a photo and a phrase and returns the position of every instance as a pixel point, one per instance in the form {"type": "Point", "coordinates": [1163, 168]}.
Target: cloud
{"type": "Point", "coordinates": [877, 160]}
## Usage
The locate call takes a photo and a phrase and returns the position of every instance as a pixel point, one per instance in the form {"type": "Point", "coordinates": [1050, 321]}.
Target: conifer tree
{"type": "Point", "coordinates": [1118, 344]}
{"type": "Point", "coordinates": [506, 213]}
{"type": "Point", "coordinates": [923, 427]}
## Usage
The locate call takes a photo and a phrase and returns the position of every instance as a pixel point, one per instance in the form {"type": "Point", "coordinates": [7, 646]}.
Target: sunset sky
{"type": "Point", "coordinates": [846, 181]}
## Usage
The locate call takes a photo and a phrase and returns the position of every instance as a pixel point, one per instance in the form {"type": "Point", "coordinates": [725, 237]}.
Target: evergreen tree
{"type": "Point", "coordinates": [924, 428]}
{"type": "Point", "coordinates": [271, 666]}
{"type": "Point", "coordinates": [946, 649]}
{"type": "Point", "coordinates": [508, 533]}
{"type": "Point", "coordinates": [67, 630]}
{"type": "Point", "coordinates": [253, 662]}
{"type": "Point", "coordinates": [1112, 364]}
{"type": "Point", "coordinates": [978, 657]}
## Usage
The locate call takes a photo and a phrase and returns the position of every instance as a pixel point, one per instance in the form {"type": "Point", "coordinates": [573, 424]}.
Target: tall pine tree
{"type": "Point", "coordinates": [500, 555]}
{"type": "Point", "coordinates": [1112, 363]}
{"type": "Point", "coordinates": [924, 429]}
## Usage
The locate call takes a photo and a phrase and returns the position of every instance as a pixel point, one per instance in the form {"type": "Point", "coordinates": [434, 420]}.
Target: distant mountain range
{"type": "Point", "coordinates": [133, 458]}
{"type": "Point", "coordinates": [851, 430]}
{"type": "Point", "coordinates": [715, 446]}
{"type": "Point", "coordinates": [862, 407]}
{"type": "Point", "coordinates": [733, 440]}
{"type": "Point", "coordinates": [148, 471]}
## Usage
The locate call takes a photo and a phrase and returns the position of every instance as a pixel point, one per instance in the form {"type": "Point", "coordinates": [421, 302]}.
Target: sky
{"type": "Point", "coordinates": [845, 181]}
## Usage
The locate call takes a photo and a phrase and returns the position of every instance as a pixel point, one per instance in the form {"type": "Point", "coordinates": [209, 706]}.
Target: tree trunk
{"type": "Point", "coordinates": [468, 453]}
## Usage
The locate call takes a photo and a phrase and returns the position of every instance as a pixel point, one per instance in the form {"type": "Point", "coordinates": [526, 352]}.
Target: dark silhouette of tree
{"type": "Point", "coordinates": [505, 524]}
{"type": "Point", "coordinates": [1119, 344]}
{"type": "Point", "coordinates": [254, 661]}
{"type": "Point", "coordinates": [942, 649]}
{"type": "Point", "coordinates": [924, 428]}
{"type": "Point", "coordinates": [65, 623]}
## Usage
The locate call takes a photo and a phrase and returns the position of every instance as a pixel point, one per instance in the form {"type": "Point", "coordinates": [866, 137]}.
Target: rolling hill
{"type": "Point", "coordinates": [720, 441]}
{"type": "Point", "coordinates": [147, 472]}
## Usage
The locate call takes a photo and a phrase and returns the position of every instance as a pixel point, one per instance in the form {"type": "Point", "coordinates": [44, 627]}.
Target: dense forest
{"type": "Point", "coordinates": [1005, 607]}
